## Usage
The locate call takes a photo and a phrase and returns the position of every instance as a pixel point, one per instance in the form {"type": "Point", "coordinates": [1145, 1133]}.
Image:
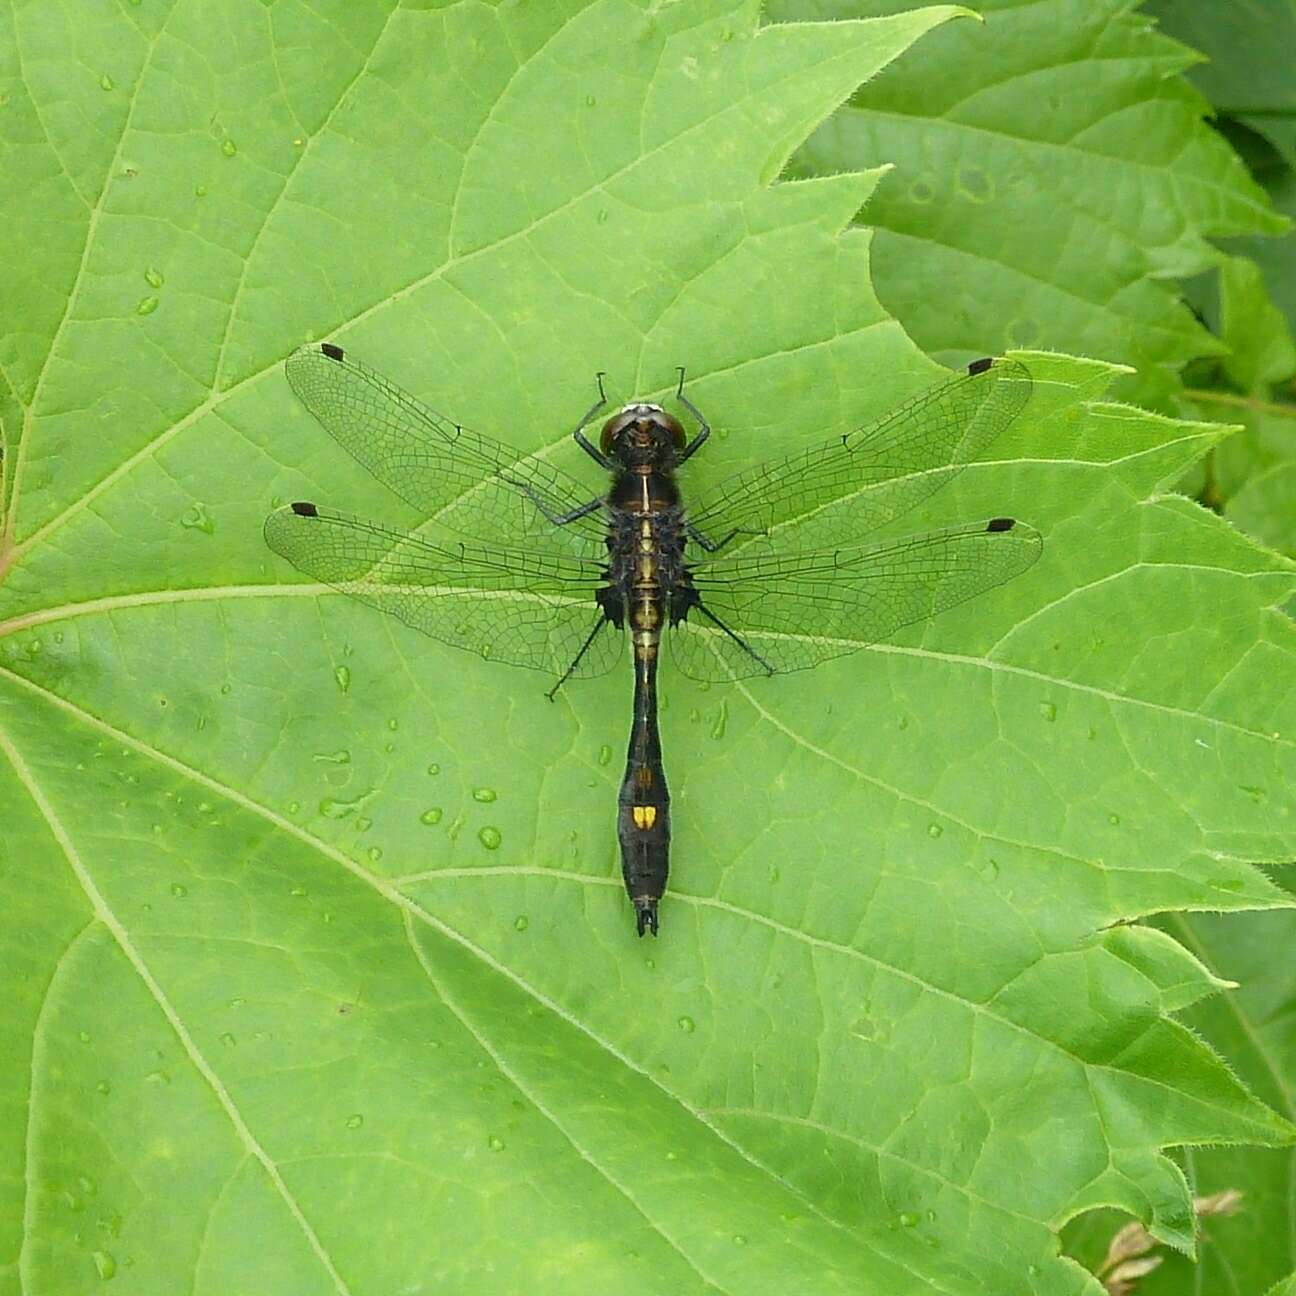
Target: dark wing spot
{"type": "Point", "coordinates": [980, 366]}
{"type": "Point", "coordinates": [1001, 524]}
{"type": "Point", "coordinates": [303, 509]}
{"type": "Point", "coordinates": [336, 352]}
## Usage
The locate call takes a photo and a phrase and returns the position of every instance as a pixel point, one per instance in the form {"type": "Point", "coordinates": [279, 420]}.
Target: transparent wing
{"type": "Point", "coordinates": [524, 606]}
{"type": "Point", "coordinates": [841, 490]}
{"type": "Point", "coordinates": [463, 480]}
{"type": "Point", "coordinates": [794, 610]}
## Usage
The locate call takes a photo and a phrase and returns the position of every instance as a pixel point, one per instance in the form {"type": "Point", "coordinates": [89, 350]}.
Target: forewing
{"type": "Point", "coordinates": [798, 609]}
{"type": "Point", "coordinates": [529, 607]}
{"type": "Point", "coordinates": [840, 491]}
{"type": "Point", "coordinates": [463, 480]}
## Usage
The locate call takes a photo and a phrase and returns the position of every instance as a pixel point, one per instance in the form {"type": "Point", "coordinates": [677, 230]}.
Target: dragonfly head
{"type": "Point", "coordinates": [640, 433]}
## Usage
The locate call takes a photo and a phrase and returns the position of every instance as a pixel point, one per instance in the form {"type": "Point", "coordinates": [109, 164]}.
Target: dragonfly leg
{"type": "Point", "coordinates": [737, 638]}
{"type": "Point", "coordinates": [566, 675]}
{"type": "Point", "coordinates": [561, 519]}
{"type": "Point", "coordinates": [705, 427]}
{"type": "Point", "coordinates": [579, 435]}
{"type": "Point", "coordinates": [713, 546]}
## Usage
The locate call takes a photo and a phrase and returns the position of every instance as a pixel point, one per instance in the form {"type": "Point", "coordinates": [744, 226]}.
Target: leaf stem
{"type": "Point", "coordinates": [1243, 402]}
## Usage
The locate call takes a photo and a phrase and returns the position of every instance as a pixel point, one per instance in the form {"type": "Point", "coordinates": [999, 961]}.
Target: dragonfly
{"type": "Point", "coordinates": [773, 571]}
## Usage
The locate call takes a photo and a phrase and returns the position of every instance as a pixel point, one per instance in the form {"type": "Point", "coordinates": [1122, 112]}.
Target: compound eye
{"type": "Point", "coordinates": [610, 429]}
{"type": "Point", "coordinates": [672, 425]}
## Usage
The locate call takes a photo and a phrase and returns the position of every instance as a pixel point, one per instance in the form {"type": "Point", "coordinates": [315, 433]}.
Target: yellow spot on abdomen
{"type": "Point", "coordinates": [644, 816]}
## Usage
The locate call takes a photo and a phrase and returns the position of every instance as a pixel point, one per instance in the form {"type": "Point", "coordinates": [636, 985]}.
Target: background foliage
{"type": "Point", "coordinates": [321, 975]}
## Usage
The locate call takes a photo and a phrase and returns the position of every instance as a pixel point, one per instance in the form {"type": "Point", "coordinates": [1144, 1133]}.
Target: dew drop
{"type": "Point", "coordinates": [146, 306]}
{"type": "Point", "coordinates": [934, 830]}
{"type": "Point", "coordinates": [105, 82]}
{"type": "Point", "coordinates": [179, 890]}
{"type": "Point", "coordinates": [354, 1121]}
{"type": "Point", "coordinates": [153, 277]}
{"type": "Point", "coordinates": [342, 674]}
{"type": "Point", "coordinates": [339, 757]}
{"type": "Point", "coordinates": [197, 518]}
{"type": "Point", "coordinates": [363, 824]}
{"type": "Point", "coordinates": [432, 816]}
{"type": "Point", "coordinates": [687, 1025]}
{"type": "Point", "coordinates": [83, 1036]}
{"type": "Point", "coordinates": [434, 768]}
{"type": "Point", "coordinates": [989, 870]}
{"type": "Point", "coordinates": [294, 807]}
{"type": "Point", "coordinates": [602, 216]}
{"type": "Point", "coordinates": [200, 191]}
{"type": "Point", "coordinates": [105, 1265]}
{"type": "Point", "coordinates": [336, 808]}
{"type": "Point", "coordinates": [521, 922]}
{"type": "Point", "coordinates": [228, 147]}
{"type": "Point", "coordinates": [739, 1240]}
{"type": "Point", "coordinates": [1113, 819]}
{"type": "Point", "coordinates": [489, 837]}
{"type": "Point", "coordinates": [908, 1219]}
{"type": "Point", "coordinates": [226, 689]}
{"type": "Point", "coordinates": [374, 854]}
{"type": "Point", "coordinates": [228, 1039]}
{"type": "Point", "coordinates": [484, 794]}
{"type": "Point", "coordinates": [605, 755]}
{"type": "Point", "coordinates": [104, 1087]}
{"type": "Point", "coordinates": [672, 1156]}
{"type": "Point", "coordinates": [1226, 884]}
{"type": "Point", "coordinates": [393, 724]}
{"type": "Point", "coordinates": [1048, 710]}
{"type": "Point", "coordinates": [721, 721]}
{"type": "Point", "coordinates": [590, 101]}
{"type": "Point", "coordinates": [298, 891]}
{"type": "Point", "coordinates": [495, 1143]}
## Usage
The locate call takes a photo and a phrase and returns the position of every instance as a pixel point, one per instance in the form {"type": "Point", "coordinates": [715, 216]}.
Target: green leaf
{"type": "Point", "coordinates": [1255, 1027]}
{"type": "Point", "coordinates": [1052, 171]}
{"type": "Point", "coordinates": [1246, 73]}
{"type": "Point", "coordinates": [1261, 351]}
{"type": "Point", "coordinates": [320, 971]}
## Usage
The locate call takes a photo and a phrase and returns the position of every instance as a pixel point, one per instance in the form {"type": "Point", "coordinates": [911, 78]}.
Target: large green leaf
{"type": "Point", "coordinates": [320, 973]}
{"type": "Point", "coordinates": [1246, 73]}
{"type": "Point", "coordinates": [1255, 1025]}
{"type": "Point", "coordinates": [1052, 171]}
